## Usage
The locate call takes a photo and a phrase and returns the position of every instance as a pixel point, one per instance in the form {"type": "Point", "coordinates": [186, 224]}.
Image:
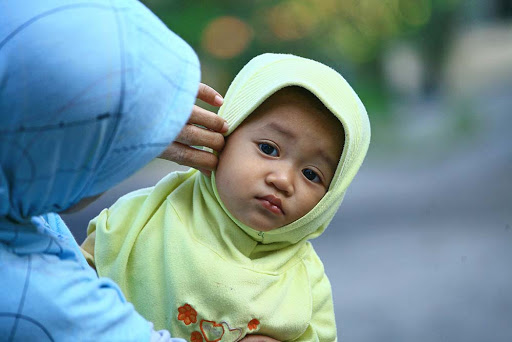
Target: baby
{"type": "Point", "coordinates": [221, 258]}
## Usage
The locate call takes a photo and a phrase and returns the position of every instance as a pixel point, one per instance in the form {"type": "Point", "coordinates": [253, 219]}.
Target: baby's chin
{"type": "Point", "coordinates": [260, 226]}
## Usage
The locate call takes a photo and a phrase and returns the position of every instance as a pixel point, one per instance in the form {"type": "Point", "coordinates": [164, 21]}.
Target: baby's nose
{"type": "Point", "coordinates": [282, 179]}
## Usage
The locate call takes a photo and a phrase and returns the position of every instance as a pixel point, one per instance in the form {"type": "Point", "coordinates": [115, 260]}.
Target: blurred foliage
{"type": "Point", "coordinates": [350, 36]}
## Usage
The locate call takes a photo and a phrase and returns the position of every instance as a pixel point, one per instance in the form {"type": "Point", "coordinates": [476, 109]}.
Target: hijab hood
{"type": "Point", "coordinates": [258, 80]}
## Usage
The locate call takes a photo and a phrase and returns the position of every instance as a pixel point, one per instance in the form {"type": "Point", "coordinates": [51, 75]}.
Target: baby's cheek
{"type": "Point", "coordinates": [309, 202]}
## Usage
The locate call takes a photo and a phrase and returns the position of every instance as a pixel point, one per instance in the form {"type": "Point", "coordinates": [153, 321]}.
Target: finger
{"type": "Point", "coordinates": [207, 119]}
{"type": "Point", "coordinates": [189, 156]}
{"type": "Point", "coordinates": [209, 95]}
{"type": "Point", "coordinates": [195, 136]}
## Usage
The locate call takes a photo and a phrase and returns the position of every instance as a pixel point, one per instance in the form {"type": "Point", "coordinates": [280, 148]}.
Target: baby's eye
{"type": "Point", "coordinates": [268, 149]}
{"type": "Point", "coordinates": [311, 175]}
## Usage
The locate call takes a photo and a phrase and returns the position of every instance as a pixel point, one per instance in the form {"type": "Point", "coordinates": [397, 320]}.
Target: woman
{"type": "Point", "coordinates": [89, 93]}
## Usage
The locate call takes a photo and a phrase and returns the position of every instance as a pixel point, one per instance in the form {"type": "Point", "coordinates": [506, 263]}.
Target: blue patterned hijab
{"type": "Point", "coordinates": [81, 110]}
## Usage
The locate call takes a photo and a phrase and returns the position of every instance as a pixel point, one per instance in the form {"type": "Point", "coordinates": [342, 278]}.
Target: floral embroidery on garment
{"type": "Point", "coordinates": [187, 314]}
{"type": "Point", "coordinates": [196, 337]}
{"type": "Point", "coordinates": [214, 332]}
{"type": "Point", "coordinates": [253, 324]}
{"type": "Point", "coordinates": [211, 331]}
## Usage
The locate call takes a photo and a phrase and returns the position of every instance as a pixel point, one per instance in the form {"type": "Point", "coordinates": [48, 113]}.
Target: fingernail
{"type": "Point", "coordinates": [225, 127]}
{"type": "Point", "coordinates": [218, 100]}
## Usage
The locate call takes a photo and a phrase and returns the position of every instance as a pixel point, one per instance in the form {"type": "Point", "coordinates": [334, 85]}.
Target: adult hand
{"type": "Point", "coordinates": [181, 151]}
{"type": "Point", "coordinates": [258, 338]}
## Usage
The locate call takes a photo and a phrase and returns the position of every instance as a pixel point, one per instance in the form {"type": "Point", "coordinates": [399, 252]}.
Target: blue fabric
{"type": "Point", "coordinates": [90, 91]}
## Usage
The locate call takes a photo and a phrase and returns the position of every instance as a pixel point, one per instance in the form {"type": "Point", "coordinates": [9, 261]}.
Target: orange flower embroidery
{"type": "Point", "coordinates": [196, 337]}
{"type": "Point", "coordinates": [187, 314]}
{"type": "Point", "coordinates": [253, 324]}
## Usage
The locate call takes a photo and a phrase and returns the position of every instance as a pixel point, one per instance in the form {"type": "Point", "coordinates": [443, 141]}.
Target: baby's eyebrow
{"type": "Point", "coordinates": [281, 129]}
{"type": "Point", "coordinates": [333, 164]}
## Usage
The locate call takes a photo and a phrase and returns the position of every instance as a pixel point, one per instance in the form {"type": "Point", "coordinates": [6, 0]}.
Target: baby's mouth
{"type": "Point", "coordinates": [272, 203]}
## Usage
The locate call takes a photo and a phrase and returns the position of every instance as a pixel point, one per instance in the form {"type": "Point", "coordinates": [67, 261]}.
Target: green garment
{"type": "Point", "coordinates": [189, 266]}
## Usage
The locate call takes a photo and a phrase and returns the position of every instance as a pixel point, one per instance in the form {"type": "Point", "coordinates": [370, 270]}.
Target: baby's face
{"type": "Point", "coordinates": [278, 164]}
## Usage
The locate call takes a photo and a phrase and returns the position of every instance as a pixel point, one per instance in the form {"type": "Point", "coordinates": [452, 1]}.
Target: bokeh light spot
{"type": "Point", "coordinates": [291, 20]}
{"type": "Point", "coordinates": [226, 37]}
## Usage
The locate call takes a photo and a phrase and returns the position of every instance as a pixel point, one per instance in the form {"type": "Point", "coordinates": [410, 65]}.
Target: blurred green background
{"type": "Point", "coordinates": [421, 248]}
{"type": "Point", "coordinates": [355, 37]}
